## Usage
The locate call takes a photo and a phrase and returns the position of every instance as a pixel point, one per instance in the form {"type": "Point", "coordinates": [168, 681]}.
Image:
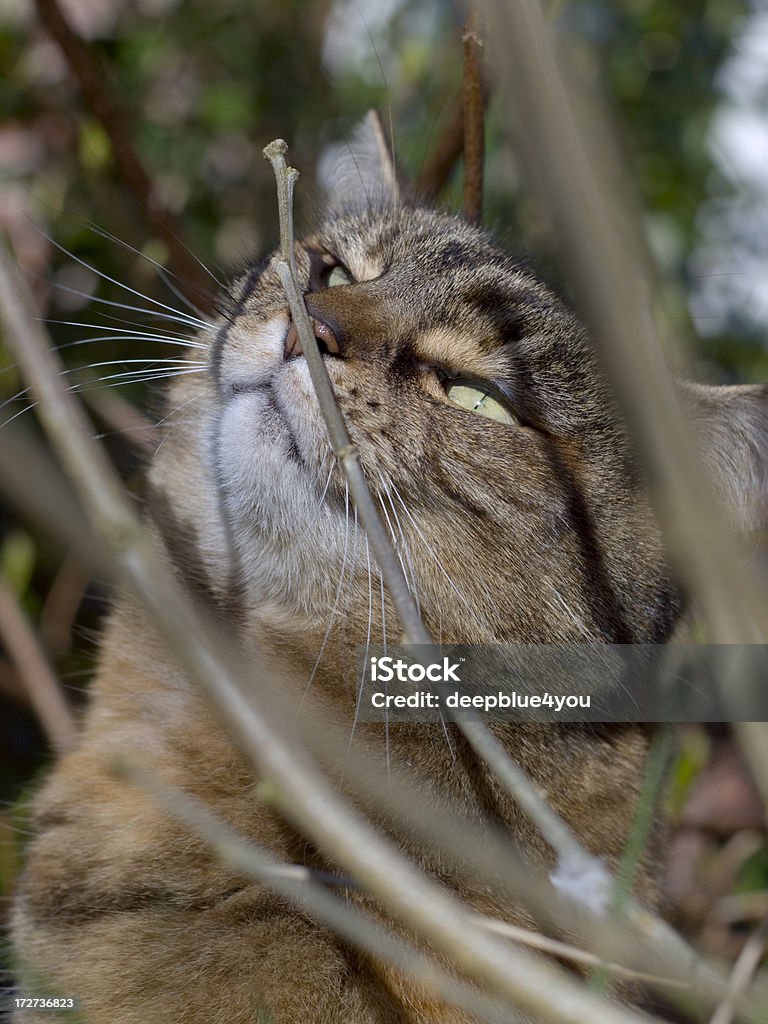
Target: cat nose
{"type": "Point", "coordinates": [327, 341]}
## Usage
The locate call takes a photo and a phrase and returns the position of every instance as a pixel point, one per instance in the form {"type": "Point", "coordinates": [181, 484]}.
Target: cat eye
{"type": "Point", "coordinates": [479, 400]}
{"type": "Point", "coordinates": [326, 271]}
{"type": "Point", "coordinates": [336, 276]}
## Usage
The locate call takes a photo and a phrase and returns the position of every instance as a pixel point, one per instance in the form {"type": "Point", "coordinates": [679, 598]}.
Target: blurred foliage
{"type": "Point", "coordinates": [206, 86]}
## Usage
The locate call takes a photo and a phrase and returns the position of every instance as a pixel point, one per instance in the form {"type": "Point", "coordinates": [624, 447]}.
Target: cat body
{"type": "Point", "coordinates": [532, 526]}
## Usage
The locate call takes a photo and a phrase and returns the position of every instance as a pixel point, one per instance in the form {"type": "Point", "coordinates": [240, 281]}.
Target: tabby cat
{"type": "Point", "coordinates": [495, 450]}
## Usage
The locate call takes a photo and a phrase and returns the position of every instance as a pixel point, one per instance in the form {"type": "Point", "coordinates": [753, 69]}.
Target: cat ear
{"type": "Point", "coordinates": [732, 435]}
{"type": "Point", "coordinates": [360, 173]}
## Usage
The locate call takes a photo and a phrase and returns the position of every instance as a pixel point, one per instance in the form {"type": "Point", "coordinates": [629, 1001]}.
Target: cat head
{"type": "Point", "coordinates": [487, 433]}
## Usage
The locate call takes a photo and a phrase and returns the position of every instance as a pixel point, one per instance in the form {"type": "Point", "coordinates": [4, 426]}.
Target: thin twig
{"type": "Point", "coordinates": [41, 684]}
{"type": "Point", "coordinates": [345, 451]}
{"type": "Point", "coordinates": [572, 166]}
{"type": "Point", "coordinates": [566, 951]}
{"type": "Point", "coordinates": [307, 888]}
{"type": "Point", "coordinates": [98, 97]}
{"type": "Point", "coordinates": [742, 973]}
{"type": "Point", "coordinates": [474, 120]}
{"type": "Point", "coordinates": [250, 712]}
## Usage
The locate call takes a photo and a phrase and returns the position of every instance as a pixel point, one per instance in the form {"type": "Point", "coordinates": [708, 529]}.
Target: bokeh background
{"type": "Point", "coordinates": [204, 86]}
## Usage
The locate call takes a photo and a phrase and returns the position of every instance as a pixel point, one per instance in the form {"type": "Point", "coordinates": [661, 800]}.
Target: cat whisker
{"type": "Point", "coordinates": [27, 408]}
{"type": "Point", "coordinates": [336, 601]}
{"type": "Point", "coordinates": [193, 321]}
{"type": "Point", "coordinates": [149, 362]}
{"type": "Point", "coordinates": [164, 274]}
{"type": "Point", "coordinates": [135, 377]}
{"type": "Point", "coordinates": [147, 373]}
{"type": "Point", "coordinates": [358, 702]}
{"type": "Point", "coordinates": [173, 412]}
{"type": "Point", "coordinates": [121, 337]}
{"type": "Point", "coordinates": [192, 253]}
{"type": "Point", "coordinates": [409, 572]}
{"type": "Point", "coordinates": [330, 473]}
{"type": "Point", "coordinates": [152, 313]}
{"type": "Point", "coordinates": [585, 631]}
{"type": "Point", "coordinates": [327, 485]}
{"type": "Point", "coordinates": [384, 643]}
{"type": "Point", "coordinates": [412, 587]}
{"type": "Point", "coordinates": [397, 545]}
{"type": "Point", "coordinates": [166, 336]}
{"type": "Point", "coordinates": [433, 554]}
{"type": "Point", "coordinates": [180, 318]}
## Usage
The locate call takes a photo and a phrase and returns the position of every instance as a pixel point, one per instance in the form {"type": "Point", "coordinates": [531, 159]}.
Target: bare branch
{"type": "Point", "coordinates": [474, 120]}
{"type": "Point", "coordinates": [89, 74]}
{"type": "Point", "coordinates": [444, 156]}
{"type": "Point", "coordinates": [566, 951]}
{"type": "Point", "coordinates": [571, 164]}
{"type": "Point", "coordinates": [43, 687]}
{"type": "Point", "coordinates": [306, 889]}
{"type": "Point", "coordinates": [343, 448]}
{"type": "Point", "coordinates": [742, 973]}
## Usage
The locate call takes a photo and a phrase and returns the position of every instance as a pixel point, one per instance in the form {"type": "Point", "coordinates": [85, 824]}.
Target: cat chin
{"type": "Point", "coordinates": [291, 540]}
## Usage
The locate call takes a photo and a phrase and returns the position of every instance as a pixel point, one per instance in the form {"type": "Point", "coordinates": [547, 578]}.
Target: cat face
{"type": "Point", "coordinates": [483, 425]}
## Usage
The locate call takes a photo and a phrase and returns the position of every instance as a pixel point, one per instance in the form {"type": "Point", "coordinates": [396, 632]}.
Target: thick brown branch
{"type": "Point", "coordinates": [579, 178]}
{"type": "Point", "coordinates": [90, 77]}
{"type": "Point", "coordinates": [444, 156]}
{"type": "Point", "coordinates": [474, 120]}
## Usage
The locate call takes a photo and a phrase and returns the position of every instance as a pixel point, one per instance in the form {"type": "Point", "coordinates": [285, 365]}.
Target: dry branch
{"type": "Point", "coordinates": [96, 93]}
{"type": "Point", "coordinates": [305, 888]}
{"type": "Point", "coordinates": [571, 953]}
{"type": "Point", "coordinates": [251, 714]}
{"type": "Point", "coordinates": [444, 156]}
{"type": "Point", "coordinates": [741, 976]}
{"type": "Point", "coordinates": [571, 165]}
{"type": "Point", "coordinates": [344, 450]}
{"type": "Point", "coordinates": [42, 686]}
{"type": "Point", "coordinates": [474, 120]}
